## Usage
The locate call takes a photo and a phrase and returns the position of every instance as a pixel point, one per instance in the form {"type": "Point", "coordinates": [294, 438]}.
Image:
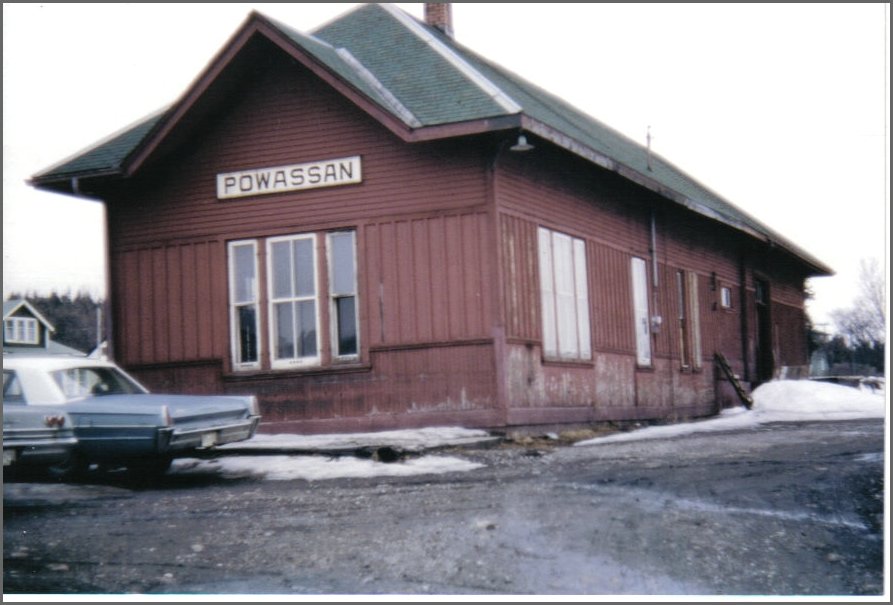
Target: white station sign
{"type": "Point", "coordinates": [294, 177]}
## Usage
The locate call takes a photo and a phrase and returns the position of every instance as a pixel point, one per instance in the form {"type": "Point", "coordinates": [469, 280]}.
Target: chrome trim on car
{"type": "Point", "coordinates": [228, 433]}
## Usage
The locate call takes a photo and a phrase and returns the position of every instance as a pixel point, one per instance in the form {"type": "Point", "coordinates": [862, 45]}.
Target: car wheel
{"type": "Point", "coordinates": [150, 468]}
{"type": "Point", "coordinates": [75, 466]}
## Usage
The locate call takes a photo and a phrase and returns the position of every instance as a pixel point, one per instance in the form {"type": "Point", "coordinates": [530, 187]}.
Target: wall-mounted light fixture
{"type": "Point", "coordinates": [521, 145]}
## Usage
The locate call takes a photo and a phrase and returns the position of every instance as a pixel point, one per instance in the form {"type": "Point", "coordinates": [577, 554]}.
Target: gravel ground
{"type": "Point", "coordinates": [785, 509]}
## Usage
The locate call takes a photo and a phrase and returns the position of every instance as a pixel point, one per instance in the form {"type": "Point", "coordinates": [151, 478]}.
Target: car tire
{"type": "Point", "coordinates": [75, 466]}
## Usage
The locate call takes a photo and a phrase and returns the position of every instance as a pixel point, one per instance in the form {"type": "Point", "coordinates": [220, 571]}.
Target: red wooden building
{"type": "Point", "coordinates": [353, 226]}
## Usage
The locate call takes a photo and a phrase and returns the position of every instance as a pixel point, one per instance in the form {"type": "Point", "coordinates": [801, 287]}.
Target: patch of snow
{"type": "Point", "coordinates": [776, 401]}
{"type": "Point", "coordinates": [315, 468]}
{"type": "Point", "coordinates": [407, 440]}
{"type": "Point", "coordinates": [792, 400]}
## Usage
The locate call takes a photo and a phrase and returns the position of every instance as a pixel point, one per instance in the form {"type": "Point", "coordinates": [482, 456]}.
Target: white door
{"type": "Point", "coordinates": [640, 312]}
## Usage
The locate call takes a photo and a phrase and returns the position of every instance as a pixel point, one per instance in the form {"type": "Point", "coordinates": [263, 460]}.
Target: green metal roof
{"type": "Point", "coordinates": [104, 157]}
{"type": "Point", "coordinates": [425, 79]}
{"type": "Point", "coordinates": [430, 84]}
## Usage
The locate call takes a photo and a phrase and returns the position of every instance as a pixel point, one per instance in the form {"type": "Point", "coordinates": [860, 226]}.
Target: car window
{"type": "Point", "coordinates": [12, 388]}
{"type": "Point", "coordinates": [93, 382]}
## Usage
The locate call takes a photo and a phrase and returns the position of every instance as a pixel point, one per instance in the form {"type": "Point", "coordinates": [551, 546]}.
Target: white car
{"type": "Point", "coordinates": [117, 421]}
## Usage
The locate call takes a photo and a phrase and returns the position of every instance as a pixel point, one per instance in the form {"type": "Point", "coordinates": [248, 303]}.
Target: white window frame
{"type": "Point", "coordinates": [725, 297]}
{"type": "Point", "coordinates": [235, 349]}
{"type": "Point", "coordinates": [564, 296]}
{"type": "Point", "coordinates": [21, 330]}
{"type": "Point", "coordinates": [641, 311]}
{"type": "Point", "coordinates": [334, 326]}
{"type": "Point", "coordinates": [276, 362]}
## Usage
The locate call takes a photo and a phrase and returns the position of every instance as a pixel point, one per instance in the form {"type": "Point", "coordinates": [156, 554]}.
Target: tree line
{"type": "Point", "coordinates": [858, 345]}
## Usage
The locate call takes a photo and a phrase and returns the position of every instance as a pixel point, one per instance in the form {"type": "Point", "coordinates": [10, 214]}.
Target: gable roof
{"type": "Point", "coordinates": [10, 307]}
{"type": "Point", "coordinates": [421, 85]}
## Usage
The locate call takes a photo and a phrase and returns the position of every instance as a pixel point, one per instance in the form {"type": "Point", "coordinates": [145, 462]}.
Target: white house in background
{"type": "Point", "coordinates": [27, 332]}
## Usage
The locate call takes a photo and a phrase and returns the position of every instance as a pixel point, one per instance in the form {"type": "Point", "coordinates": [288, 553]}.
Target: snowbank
{"type": "Point", "coordinates": [295, 464]}
{"type": "Point", "coordinates": [407, 440]}
{"type": "Point", "coordinates": [791, 400]}
{"type": "Point", "coordinates": [316, 468]}
{"type": "Point", "coordinates": [776, 401]}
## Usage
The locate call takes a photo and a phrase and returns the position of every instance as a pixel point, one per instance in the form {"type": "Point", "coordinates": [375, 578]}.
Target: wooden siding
{"type": "Point", "coordinates": [789, 324]}
{"type": "Point", "coordinates": [612, 301]}
{"type": "Point", "coordinates": [414, 386]}
{"type": "Point", "coordinates": [518, 254]}
{"type": "Point", "coordinates": [441, 339]}
{"type": "Point", "coordinates": [614, 219]}
{"type": "Point", "coordinates": [291, 117]}
{"type": "Point", "coordinates": [426, 279]}
{"type": "Point", "coordinates": [170, 303]}
{"type": "Point", "coordinates": [423, 264]}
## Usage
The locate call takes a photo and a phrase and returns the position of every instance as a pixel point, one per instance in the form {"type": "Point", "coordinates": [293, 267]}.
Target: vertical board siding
{"type": "Point", "coordinates": [790, 328]}
{"type": "Point", "coordinates": [521, 283]}
{"type": "Point", "coordinates": [614, 218]}
{"type": "Point", "coordinates": [451, 381]}
{"type": "Point", "coordinates": [612, 297]}
{"type": "Point", "coordinates": [165, 305]}
{"type": "Point", "coordinates": [424, 280]}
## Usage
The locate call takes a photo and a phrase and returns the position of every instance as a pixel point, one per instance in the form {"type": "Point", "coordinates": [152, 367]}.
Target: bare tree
{"type": "Point", "coordinates": [865, 322]}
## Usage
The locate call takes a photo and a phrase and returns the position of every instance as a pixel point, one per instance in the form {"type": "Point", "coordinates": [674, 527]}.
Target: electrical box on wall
{"type": "Point", "coordinates": [656, 322]}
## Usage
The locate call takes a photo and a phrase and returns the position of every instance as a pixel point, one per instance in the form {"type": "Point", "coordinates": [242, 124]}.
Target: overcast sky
{"type": "Point", "coordinates": [779, 108]}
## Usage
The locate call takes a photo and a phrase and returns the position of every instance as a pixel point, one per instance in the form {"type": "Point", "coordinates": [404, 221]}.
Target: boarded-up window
{"type": "Point", "coordinates": [641, 325]}
{"type": "Point", "coordinates": [689, 319]}
{"type": "Point", "coordinates": [695, 320]}
{"type": "Point", "coordinates": [564, 295]}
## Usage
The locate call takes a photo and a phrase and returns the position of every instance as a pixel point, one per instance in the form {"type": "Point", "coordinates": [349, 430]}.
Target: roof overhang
{"type": "Point", "coordinates": [567, 143]}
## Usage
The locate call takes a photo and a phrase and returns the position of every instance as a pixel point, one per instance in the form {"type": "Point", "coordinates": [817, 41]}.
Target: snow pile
{"type": "Point", "coordinates": [406, 440]}
{"type": "Point", "coordinates": [776, 401]}
{"type": "Point", "coordinates": [315, 468]}
{"type": "Point", "coordinates": [291, 460]}
{"type": "Point", "coordinates": [791, 400]}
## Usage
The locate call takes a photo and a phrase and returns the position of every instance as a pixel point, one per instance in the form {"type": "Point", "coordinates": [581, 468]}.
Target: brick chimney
{"type": "Point", "coordinates": [440, 15]}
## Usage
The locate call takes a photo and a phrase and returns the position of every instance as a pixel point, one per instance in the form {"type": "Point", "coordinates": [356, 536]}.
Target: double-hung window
{"type": "Point", "coordinates": [343, 293]}
{"type": "Point", "coordinates": [244, 301]}
{"type": "Point", "coordinates": [564, 294]}
{"type": "Point", "coordinates": [299, 309]}
{"type": "Point", "coordinates": [292, 301]}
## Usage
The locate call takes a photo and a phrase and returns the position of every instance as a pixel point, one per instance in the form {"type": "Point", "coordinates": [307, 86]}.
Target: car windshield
{"type": "Point", "coordinates": [77, 383]}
